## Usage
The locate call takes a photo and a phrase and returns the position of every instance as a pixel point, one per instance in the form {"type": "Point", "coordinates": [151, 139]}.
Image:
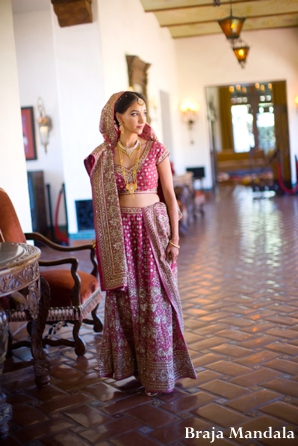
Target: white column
{"type": "Point", "coordinates": [79, 86]}
{"type": "Point", "coordinates": [13, 175]}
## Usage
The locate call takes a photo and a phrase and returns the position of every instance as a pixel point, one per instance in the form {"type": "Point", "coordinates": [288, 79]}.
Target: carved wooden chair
{"type": "Point", "coordinates": [74, 294]}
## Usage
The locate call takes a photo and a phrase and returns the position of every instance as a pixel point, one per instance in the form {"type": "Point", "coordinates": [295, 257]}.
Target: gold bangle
{"type": "Point", "coordinates": [173, 244]}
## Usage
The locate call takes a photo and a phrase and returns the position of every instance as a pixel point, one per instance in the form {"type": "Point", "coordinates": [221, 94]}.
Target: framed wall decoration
{"type": "Point", "coordinates": [28, 133]}
{"type": "Point", "coordinates": [137, 74]}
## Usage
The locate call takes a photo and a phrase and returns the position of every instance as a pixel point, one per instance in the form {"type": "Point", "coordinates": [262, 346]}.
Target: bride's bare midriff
{"type": "Point", "coordinates": [138, 200]}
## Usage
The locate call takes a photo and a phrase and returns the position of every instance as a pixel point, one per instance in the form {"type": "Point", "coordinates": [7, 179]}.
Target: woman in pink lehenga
{"type": "Point", "coordinates": [137, 244]}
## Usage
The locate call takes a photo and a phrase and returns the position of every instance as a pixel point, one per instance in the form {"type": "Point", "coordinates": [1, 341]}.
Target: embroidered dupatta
{"type": "Point", "coordinates": [107, 217]}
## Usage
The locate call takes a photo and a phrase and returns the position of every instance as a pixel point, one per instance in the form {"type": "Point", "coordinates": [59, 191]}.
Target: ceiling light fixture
{"type": "Point", "coordinates": [241, 50]}
{"type": "Point", "coordinates": [231, 26]}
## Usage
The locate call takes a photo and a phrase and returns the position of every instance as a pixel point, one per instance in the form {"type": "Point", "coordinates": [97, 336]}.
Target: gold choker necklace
{"type": "Point", "coordinates": [131, 187]}
{"type": "Point", "coordinates": [129, 151]}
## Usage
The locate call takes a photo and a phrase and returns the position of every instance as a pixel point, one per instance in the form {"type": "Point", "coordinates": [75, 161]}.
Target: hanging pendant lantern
{"type": "Point", "coordinates": [231, 26]}
{"type": "Point", "coordinates": [241, 50]}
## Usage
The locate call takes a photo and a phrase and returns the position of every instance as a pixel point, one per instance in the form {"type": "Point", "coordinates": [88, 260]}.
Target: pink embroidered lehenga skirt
{"type": "Point", "coordinates": [143, 324]}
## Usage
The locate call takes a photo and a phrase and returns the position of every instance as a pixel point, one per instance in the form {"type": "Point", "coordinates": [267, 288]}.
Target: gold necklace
{"type": "Point", "coordinates": [131, 187]}
{"type": "Point", "coordinates": [129, 151]}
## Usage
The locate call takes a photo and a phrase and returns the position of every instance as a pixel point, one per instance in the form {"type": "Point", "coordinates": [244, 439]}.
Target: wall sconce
{"type": "Point", "coordinates": [44, 124]}
{"type": "Point", "coordinates": [296, 102]}
{"type": "Point", "coordinates": [189, 111]}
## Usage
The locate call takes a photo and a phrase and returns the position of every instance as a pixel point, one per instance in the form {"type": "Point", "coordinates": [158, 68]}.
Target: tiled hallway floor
{"type": "Point", "coordinates": [239, 287]}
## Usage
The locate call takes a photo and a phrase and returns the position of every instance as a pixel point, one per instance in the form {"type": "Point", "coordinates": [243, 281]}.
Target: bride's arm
{"type": "Point", "coordinates": [166, 179]}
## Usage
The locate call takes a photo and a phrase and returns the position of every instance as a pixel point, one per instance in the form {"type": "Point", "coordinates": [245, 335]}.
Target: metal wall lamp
{"type": "Point", "coordinates": [296, 102]}
{"type": "Point", "coordinates": [44, 124]}
{"type": "Point", "coordinates": [189, 111]}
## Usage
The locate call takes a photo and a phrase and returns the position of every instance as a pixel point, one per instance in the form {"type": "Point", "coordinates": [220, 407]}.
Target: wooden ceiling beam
{"type": "Point", "coordinates": [201, 29]}
{"type": "Point", "coordinates": [165, 5]}
{"type": "Point", "coordinates": [250, 9]}
{"type": "Point", "coordinates": [72, 12]}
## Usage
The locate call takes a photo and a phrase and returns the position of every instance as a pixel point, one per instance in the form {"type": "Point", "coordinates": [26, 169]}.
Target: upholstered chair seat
{"type": "Point", "coordinates": [74, 294]}
{"type": "Point", "coordinates": [61, 284]}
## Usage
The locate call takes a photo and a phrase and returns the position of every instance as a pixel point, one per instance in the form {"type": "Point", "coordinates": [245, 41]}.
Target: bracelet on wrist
{"type": "Point", "coordinates": [173, 244]}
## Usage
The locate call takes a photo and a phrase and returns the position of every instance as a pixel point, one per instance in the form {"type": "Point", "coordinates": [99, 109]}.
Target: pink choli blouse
{"type": "Point", "coordinates": [147, 174]}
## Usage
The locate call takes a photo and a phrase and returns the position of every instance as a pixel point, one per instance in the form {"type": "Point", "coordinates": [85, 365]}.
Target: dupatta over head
{"type": "Point", "coordinates": [107, 216]}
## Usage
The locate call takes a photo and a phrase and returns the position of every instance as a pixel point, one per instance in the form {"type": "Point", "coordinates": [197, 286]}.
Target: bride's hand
{"type": "Point", "coordinates": [172, 253]}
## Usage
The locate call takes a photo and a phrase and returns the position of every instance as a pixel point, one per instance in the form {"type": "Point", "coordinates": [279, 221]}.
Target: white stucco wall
{"type": "Point", "coordinates": [80, 91]}
{"type": "Point", "coordinates": [13, 176]}
{"type": "Point", "coordinates": [209, 61]}
{"type": "Point", "coordinates": [125, 29]}
{"type": "Point", "coordinates": [37, 78]}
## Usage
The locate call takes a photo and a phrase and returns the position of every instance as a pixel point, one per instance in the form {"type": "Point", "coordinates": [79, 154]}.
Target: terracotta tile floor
{"type": "Point", "coordinates": [239, 288]}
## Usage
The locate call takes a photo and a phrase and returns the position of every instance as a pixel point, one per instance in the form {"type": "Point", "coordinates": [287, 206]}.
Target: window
{"type": "Point", "coordinates": [265, 125]}
{"type": "Point", "coordinates": [242, 121]}
{"type": "Point", "coordinates": [252, 117]}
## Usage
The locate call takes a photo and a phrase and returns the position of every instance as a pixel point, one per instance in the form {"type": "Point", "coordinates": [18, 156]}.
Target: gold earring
{"type": "Point", "coordinates": [121, 128]}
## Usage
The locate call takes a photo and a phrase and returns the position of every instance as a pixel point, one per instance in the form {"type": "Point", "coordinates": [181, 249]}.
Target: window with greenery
{"type": "Point", "coordinates": [252, 112]}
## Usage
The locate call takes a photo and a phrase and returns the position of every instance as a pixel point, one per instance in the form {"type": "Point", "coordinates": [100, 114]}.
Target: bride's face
{"type": "Point", "coordinates": [134, 119]}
